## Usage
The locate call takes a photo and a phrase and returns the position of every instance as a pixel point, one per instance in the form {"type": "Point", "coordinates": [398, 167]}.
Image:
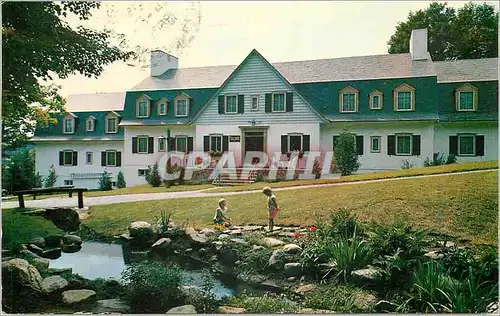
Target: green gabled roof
{"type": "Point", "coordinates": [56, 130]}
{"type": "Point", "coordinates": [324, 97]}
{"type": "Point", "coordinates": [199, 97]}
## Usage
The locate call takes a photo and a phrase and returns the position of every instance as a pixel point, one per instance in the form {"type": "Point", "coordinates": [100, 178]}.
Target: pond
{"type": "Point", "coordinates": [103, 260]}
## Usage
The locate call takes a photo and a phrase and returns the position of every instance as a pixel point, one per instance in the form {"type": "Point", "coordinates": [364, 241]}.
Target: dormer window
{"type": "Point", "coordinates": [111, 123]}
{"type": "Point", "coordinates": [162, 106]}
{"type": "Point", "coordinates": [143, 106]}
{"type": "Point", "coordinates": [348, 98]}
{"type": "Point", "coordinates": [69, 124]}
{"type": "Point", "coordinates": [466, 98]}
{"type": "Point", "coordinates": [404, 98]}
{"type": "Point", "coordinates": [90, 124]}
{"type": "Point", "coordinates": [375, 100]}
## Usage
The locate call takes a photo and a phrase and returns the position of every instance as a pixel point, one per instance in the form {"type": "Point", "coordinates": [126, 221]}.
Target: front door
{"type": "Point", "coordinates": [254, 141]}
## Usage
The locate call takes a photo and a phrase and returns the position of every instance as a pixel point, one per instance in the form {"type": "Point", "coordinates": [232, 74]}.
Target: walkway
{"type": "Point", "coordinates": [114, 199]}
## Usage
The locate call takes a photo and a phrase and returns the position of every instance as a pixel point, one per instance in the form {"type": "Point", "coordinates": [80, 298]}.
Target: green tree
{"type": "Point", "coordinates": [120, 181]}
{"type": "Point", "coordinates": [346, 157]}
{"type": "Point", "coordinates": [466, 33]}
{"type": "Point", "coordinates": [19, 171]}
{"type": "Point", "coordinates": [105, 182]}
{"type": "Point", "coordinates": [153, 177]}
{"type": "Point", "coordinates": [37, 45]}
{"type": "Point", "coordinates": [50, 180]}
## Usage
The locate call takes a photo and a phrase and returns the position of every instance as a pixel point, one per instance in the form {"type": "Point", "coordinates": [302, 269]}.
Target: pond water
{"type": "Point", "coordinates": [103, 260]}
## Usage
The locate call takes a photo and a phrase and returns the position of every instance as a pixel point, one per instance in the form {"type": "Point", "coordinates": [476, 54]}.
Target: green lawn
{"type": "Point", "coordinates": [468, 166]}
{"type": "Point", "coordinates": [463, 206]}
{"type": "Point", "coordinates": [18, 228]}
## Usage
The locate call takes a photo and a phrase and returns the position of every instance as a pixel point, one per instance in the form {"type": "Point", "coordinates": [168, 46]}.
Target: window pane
{"type": "Point", "coordinates": [68, 157]}
{"type": "Point", "coordinates": [181, 144]}
{"type": "Point", "coordinates": [404, 100]}
{"type": "Point", "coordinates": [375, 102]}
{"type": "Point", "coordinates": [143, 144]}
{"type": "Point", "coordinates": [143, 108]}
{"type": "Point", "coordinates": [111, 160]}
{"type": "Point", "coordinates": [231, 104]}
{"type": "Point", "coordinates": [466, 145]}
{"type": "Point", "coordinates": [403, 145]}
{"type": "Point", "coordinates": [279, 102]}
{"type": "Point", "coordinates": [466, 100]}
{"type": "Point", "coordinates": [181, 108]}
{"type": "Point", "coordinates": [295, 143]}
{"type": "Point", "coordinates": [348, 102]}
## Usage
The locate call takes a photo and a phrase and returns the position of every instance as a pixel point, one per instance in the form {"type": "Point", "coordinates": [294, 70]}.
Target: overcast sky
{"type": "Point", "coordinates": [280, 31]}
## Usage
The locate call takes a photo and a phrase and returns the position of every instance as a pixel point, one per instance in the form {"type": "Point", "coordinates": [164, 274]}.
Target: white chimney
{"type": "Point", "coordinates": [161, 62]}
{"type": "Point", "coordinates": [418, 44]}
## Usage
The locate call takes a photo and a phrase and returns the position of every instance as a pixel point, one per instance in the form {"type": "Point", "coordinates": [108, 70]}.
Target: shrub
{"type": "Point", "coordinates": [151, 286]}
{"type": "Point", "coordinates": [153, 176]}
{"type": "Point", "coordinates": [120, 180]}
{"type": "Point", "coordinates": [105, 182]}
{"type": "Point", "coordinates": [346, 158]}
{"type": "Point", "coordinates": [19, 171]}
{"type": "Point", "coordinates": [267, 303]}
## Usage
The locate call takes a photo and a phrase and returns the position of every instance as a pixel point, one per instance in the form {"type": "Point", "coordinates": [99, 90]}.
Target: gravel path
{"type": "Point", "coordinates": [113, 199]}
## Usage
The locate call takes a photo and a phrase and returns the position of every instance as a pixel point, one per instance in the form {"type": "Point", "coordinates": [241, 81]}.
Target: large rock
{"type": "Point", "coordinates": [38, 241]}
{"type": "Point", "coordinates": [363, 300]}
{"type": "Point", "coordinates": [141, 232]}
{"type": "Point", "coordinates": [228, 257]}
{"type": "Point", "coordinates": [53, 241]}
{"type": "Point", "coordinates": [77, 296]}
{"type": "Point", "coordinates": [71, 239]}
{"type": "Point", "coordinates": [276, 259]}
{"type": "Point", "coordinates": [292, 269]}
{"type": "Point", "coordinates": [366, 276]}
{"type": "Point", "coordinates": [114, 305]}
{"type": "Point", "coordinates": [52, 253]}
{"type": "Point", "coordinates": [231, 310]}
{"type": "Point", "coordinates": [161, 243]}
{"type": "Point", "coordinates": [66, 219]}
{"type": "Point", "coordinates": [54, 284]}
{"type": "Point", "coordinates": [184, 309]}
{"type": "Point", "coordinates": [18, 272]}
{"type": "Point", "coordinates": [292, 249]}
{"type": "Point", "coordinates": [272, 242]}
{"type": "Point", "coordinates": [41, 264]}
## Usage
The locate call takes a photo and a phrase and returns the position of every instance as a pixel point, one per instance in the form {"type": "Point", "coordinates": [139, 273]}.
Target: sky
{"type": "Point", "coordinates": [228, 31]}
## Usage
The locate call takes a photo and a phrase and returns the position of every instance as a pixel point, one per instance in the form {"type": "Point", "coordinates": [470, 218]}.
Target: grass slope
{"type": "Point", "coordinates": [459, 167]}
{"type": "Point", "coordinates": [464, 206]}
{"type": "Point", "coordinates": [18, 228]}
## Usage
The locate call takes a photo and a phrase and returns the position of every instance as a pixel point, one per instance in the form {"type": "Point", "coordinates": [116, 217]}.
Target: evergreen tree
{"type": "Point", "coordinates": [346, 157]}
{"type": "Point", "coordinates": [153, 176]}
{"type": "Point", "coordinates": [120, 181]}
{"type": "Point", "coordinates": [50, 180]}
{"type": "Point", "coordinates": [105, 182]}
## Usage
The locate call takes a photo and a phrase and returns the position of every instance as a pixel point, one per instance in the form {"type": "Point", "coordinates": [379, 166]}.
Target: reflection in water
{"type": "Point", "coordinates": [102, 260]}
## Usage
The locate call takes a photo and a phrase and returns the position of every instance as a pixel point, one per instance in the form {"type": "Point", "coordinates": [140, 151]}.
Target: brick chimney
{"type": "Point", "coordinates": [161, 62]}
{"type": "Point", "coordinates": [418, 44]}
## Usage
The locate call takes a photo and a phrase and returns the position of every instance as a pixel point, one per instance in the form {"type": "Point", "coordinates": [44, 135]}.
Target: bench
{"type": "Point", "coordinates": [37, 191]}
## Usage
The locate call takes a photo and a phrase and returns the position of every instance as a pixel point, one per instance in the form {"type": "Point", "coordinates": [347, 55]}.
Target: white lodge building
{"type": "Point", "coordinates": [401, 107]}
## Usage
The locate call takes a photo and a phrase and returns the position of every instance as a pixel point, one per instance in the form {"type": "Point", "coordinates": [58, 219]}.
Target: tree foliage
{"type": "Point", "coordinates": [120, 180]}
{"type": "Point", "coordinates": [38, 46]}
{"type": "Point", "coordinates": [467, 33]}
{"type": "Point", "coordinates": [19, 171]}
{"type": "Point", "coordinates": [346, 157]}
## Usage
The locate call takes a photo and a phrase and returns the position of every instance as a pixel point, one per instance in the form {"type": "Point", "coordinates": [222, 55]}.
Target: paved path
{"type": "Point", "coordinates": [114, 199]}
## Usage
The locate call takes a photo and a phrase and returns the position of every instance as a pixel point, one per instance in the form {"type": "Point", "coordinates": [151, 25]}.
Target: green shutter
{"type": "Point", "coordinates": [269, 101]}
{"type": "Point", "coordinates": [241, 103]}
{"type": "Point", "coordinates": [289, 102]}
{"type": "Point", "coordinates": [284, 144]}
{"type": "Point", "coordinates": [416, 145]}
{"type": "Point", "coordinates": [221, 104]}
{"type": "Point", "coordinates": [453, 145]}
{"type": "Point", "coordinates": [391, 145]}
{"type": "Point", "coordinates": [480, 145]}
